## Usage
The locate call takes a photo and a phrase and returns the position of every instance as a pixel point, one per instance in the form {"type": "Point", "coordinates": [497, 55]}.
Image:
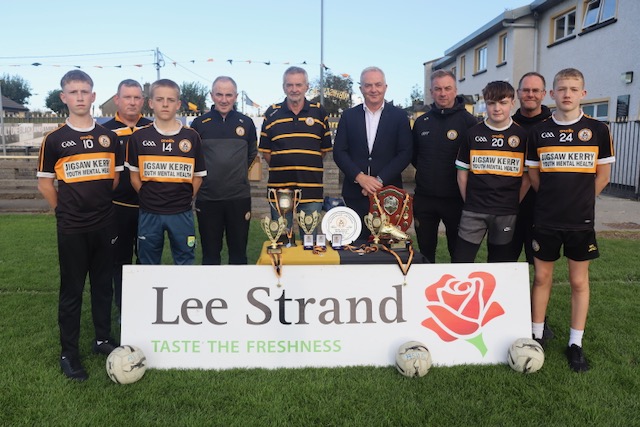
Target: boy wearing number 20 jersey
{"type": "Point", "coordinates": [490, 167]}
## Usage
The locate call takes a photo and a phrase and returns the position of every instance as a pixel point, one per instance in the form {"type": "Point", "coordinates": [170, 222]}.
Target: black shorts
{"type": "Point", "coordinates": [578, 245]}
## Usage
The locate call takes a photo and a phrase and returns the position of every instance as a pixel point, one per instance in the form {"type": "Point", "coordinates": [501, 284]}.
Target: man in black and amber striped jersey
{"type": "Point", "coordinates": [294, 139]}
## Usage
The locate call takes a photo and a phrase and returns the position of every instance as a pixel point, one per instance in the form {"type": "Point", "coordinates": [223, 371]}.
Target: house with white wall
{"type": "Point", "coordinates": [598, 37]}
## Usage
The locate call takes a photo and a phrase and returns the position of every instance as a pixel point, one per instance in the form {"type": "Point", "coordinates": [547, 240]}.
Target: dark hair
{"type": "Point", "coordinates": [498, 90]}
{"type": "Point", "coordinates": [75, 76]}
{"type": "Point", "coordinates": [129, 83]}
{"type": "Point", "coordinates": [532, 74]}
{"type": "Point", "coordinates": [442, 73]}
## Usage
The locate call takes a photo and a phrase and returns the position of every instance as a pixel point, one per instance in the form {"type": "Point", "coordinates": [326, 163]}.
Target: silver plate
{"type": "Point", "coordinates": [344, 221]}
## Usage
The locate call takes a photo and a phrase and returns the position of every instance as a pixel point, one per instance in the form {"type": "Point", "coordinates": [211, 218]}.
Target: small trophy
{"type": "Point", "coordinates": [374, 223]}
{"type": "Point", "coordinates": [273, 228]}
{"type": "Point", "coordinates": [308, 224]}
{"type": "Point", "coordinates": [285, 201]}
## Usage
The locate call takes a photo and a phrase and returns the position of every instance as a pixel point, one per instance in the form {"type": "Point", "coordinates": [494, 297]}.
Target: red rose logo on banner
{"type": "Point", "coordinates": [460, 308]}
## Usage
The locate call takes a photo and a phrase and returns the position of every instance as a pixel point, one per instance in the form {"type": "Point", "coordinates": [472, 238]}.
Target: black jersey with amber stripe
{"type": "Point", "coordinates": [167, 164]}
{"type": "Point", "coordinates": [567, 155]}
{"type": "Point", "coordinates": [296, 144]}
{"type": "Point", "coordinates": [84, 161]}
{"type": "Point", "coordinates": [124, 194]}
{"type": "Point", "coordinates": [495, 161]}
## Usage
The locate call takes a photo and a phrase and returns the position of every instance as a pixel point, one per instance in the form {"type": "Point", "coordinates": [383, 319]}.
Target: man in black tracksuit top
{"type": "Point", "coordinates": [436, 138]}
{"type": "Point", "coordinates": [223, 204]}
{"type": "Point", "coordinates": [531, 93]}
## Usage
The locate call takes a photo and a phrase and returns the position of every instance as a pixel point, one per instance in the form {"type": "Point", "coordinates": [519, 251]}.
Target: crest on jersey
{"type": "Point", "coordinates": [585, 135]}
{"type": "Point", "coordinates": [309, 121]}
{"type": "Point", "coordinates": [452, 134]}
{"type": "Point", "coordinates": [240, 131]}
{"type": "Point", "coordinates": [513, 141]}
{"type": "Point", "coordinates": [185, 145]}
{"type": "Point", "coordinates": [104, 141]}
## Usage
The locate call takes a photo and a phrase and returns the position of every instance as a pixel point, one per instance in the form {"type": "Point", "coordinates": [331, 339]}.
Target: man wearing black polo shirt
{"type": "Point", "coordinates": [129, 101]}
{"type": "Point", "coordinates": [223, 204]}
{"type": "Point", "coordinates": [294, 139]}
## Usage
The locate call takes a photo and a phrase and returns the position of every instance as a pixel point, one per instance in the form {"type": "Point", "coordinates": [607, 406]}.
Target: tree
{"type": "Point", "coordinates": [417, 97]}
{"type": "Point", "coordinates": [194, 93]}
{"type": "Point", "coordinates": [55, 104]}
{"type": "Point", "coordinates": [15, 88]}
{"type": "Point", "coordinates": [337, 92]}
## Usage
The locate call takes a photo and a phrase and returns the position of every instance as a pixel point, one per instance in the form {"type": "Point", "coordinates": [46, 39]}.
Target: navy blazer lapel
{"type": "Point", "coordinates": [362, 124]}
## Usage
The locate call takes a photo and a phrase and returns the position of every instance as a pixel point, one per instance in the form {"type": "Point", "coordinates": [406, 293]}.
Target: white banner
{"type": "Point", "coordinates": [218, 317]}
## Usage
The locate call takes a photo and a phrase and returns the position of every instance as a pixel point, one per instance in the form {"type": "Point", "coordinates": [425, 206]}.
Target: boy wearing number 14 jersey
{"type": "Point", "coordinates": [167, 165]}
{"type": "Point", "coordinates": [490, 176]}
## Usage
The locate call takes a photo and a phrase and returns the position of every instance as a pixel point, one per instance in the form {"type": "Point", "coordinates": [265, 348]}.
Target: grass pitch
{"type": "Point", "coordinates": [34, 392]}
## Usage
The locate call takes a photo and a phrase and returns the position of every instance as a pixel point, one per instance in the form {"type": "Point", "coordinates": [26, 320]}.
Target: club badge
{"type": "Point", "coordinates": [585, 135]}
{"type": "Point", "coordinates": [185, 145]}
{"type": "Point", "coordinates": [104, 141]}
{"type": "Point", "coordinates": [513, 141]}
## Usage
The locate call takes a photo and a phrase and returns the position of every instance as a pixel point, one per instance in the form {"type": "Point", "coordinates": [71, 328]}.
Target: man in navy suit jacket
{"type": "Point", "coordinates": [373, 144]}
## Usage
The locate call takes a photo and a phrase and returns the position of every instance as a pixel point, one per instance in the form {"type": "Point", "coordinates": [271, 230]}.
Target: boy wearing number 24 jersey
{"type": "Point", "coordinates": [167, 165]}
{"type": "Point", "coordinates": [569, 159]}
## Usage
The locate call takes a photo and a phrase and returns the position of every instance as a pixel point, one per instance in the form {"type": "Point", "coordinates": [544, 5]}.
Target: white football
{"type": "Point", "coordinates": [525, 355]}
{"type": "Point", "coordinates": [126, 364]}
{"type": "Point", "coordinates": [413, 359]}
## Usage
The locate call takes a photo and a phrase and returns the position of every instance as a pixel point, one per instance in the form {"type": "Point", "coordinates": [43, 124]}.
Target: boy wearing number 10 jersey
{"type": "Point", "coordinates": [569, 159]}
{"type": "Point", "coordinates": [167, 165]}
{"type": "Point", "coordinates": [490, 167]}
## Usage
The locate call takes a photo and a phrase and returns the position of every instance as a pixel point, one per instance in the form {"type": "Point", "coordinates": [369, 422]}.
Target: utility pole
{"type": "Point", "coordinates": [159, 61]}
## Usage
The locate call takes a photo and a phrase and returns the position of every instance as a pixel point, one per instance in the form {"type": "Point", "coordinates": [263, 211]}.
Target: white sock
{"type": "Point", "coordinates": [575, 337]}
{"type": "Point", "coordinates": [537, 329]}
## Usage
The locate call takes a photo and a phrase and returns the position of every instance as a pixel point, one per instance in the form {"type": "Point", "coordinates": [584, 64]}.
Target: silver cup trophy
{"type": "Point", "coordinates": [285, 201]}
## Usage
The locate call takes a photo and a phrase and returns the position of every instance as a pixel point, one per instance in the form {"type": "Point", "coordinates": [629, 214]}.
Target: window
{"type": "Point", "coordinates": [481, 59]}
{"type": "Point", "coordinates": [463, 67]}
{"type": "Point", "coordinates": [564, 25]}
{"type": "Point", "coordinates": [597, 11]}
{"type": "Point", "coordinates": [454, 70]}
{"type": "Point", "coordinates": [502, 48]}
{"type": "Point", "coordinates": [598, 110]}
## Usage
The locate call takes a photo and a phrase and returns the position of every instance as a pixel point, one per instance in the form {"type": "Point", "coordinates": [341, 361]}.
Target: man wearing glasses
{"type": "Point", "coordinates": [531, 93]}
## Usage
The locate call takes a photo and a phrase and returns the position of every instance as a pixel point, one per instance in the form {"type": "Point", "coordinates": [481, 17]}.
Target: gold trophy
{"type": "Point", "coordinates": [308, 224]}
{"type": "Point", "coordinates": [273, 228]}
{"type": "Point", "coordinates": [284, 201]}
{"type": "Point", "coordinates": [375, 223]}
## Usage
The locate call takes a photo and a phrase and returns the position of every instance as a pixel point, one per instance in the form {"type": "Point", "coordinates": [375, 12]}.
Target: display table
{"type": "Point", "coordinates": [297, 255]}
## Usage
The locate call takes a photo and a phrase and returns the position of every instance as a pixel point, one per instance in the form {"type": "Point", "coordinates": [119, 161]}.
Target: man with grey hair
{"type": "Point", "coordinates": [294, 139]}
{"type": "Point", "coordinates": [223, 204]}
{"type": "Point", "coordinates": [129, 100]}
{"type": "Point", "coordinates": [372, 145]}
{"type": "Point", "coordinates": [436, 138]}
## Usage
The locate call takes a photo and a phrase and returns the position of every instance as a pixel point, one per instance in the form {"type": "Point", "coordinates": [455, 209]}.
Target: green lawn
{"type": "Point", "coordinates": [34, 392]}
